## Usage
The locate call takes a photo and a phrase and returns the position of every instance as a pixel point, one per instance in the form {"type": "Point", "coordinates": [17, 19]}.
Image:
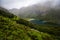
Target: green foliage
{"type": "Point", "coordinates": [2, 12]}
{"type": "Point", "coordinates": [49, 27]}
{"type": "Point", "coordinates": [14, 28]}
{"type": "Point", "coordinates": [10, 30]}
{"type": "Point", "coordinates": [24, 22]}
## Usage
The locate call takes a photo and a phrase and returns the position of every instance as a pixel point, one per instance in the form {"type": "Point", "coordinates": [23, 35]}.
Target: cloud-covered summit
{"type": "Point", "coordinates": [21, 3]}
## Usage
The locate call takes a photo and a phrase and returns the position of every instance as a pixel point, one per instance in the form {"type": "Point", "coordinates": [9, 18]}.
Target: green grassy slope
{"type": "Point", "coordinates": [10, 29]}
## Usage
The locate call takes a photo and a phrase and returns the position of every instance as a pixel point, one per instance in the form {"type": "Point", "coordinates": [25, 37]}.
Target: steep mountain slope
{"type": "Point", "coordinates": [46, 11]}
{"type": "Point", "coordinates": [35, 10]}
{"type": "Point", "coordinates": [11, 30]}
{"type": "Point", "coordinates": [53, 15]}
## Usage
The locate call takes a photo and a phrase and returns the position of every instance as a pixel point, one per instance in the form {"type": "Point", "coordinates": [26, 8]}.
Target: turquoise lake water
{"type": "Point", "coordinates": [37, 21]}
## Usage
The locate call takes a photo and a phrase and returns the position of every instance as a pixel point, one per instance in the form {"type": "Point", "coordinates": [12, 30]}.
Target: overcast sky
{"type": "Point", "coordinates": [20, 3]}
